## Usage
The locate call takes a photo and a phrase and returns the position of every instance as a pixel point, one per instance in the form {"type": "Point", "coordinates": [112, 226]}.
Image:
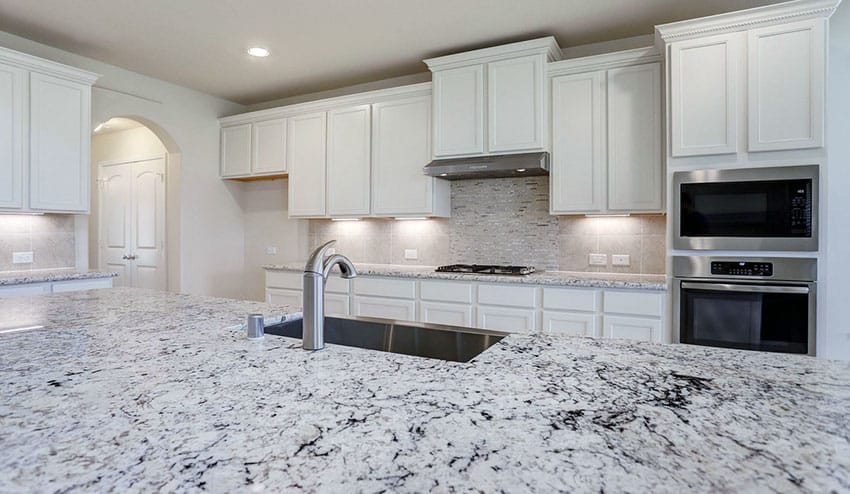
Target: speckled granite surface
{"type": "Point", "coordinates": [556, 278]}
{"type": "Point", "coordinates": [133, 390]}
{"type": "Point", "coordinates": [43, 276]}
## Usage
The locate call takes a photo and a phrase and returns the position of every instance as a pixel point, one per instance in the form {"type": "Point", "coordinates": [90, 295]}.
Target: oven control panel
{"type": "Point", "coordinates": [739, 268]}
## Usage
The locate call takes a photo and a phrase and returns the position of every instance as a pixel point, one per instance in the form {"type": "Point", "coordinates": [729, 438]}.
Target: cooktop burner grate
{"type": "Point", "coordinates": [486, 269]}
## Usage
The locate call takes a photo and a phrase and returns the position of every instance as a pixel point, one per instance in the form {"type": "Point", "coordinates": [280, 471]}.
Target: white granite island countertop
{"type": "Point", "coordinates": [553, 278]}
{"type": "Point", "coordinates": [134, 390]}
{"type": "Point", "coordinates": [9, 278]}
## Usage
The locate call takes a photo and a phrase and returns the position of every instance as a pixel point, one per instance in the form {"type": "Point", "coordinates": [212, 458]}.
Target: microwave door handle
{"type": "Point", "coordinates": [728, 287]}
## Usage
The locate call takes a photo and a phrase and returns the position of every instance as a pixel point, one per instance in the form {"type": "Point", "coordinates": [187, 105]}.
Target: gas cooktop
{"type": "Point", "coordinates": [486, 269]}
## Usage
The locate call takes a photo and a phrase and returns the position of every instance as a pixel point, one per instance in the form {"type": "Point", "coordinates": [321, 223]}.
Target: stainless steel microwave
{"type": "Point", "coordinates": [770, 209]}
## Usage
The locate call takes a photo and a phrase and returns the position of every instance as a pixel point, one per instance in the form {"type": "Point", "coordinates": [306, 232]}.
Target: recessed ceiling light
{"type": "Point", "coordinates": [258, 51]}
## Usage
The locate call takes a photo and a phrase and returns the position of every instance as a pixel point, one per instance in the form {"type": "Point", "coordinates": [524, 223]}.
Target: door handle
{"type": "Point", "coordinates": [128, 258]}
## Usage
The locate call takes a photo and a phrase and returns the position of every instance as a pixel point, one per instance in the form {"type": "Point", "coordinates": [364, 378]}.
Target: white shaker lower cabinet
{"type": "Point", "coordinates": [402, 310]}
{"type": "Point", "coordinates": [631, 328]}
{"type": "Point", "coordinates": [446, 313]}
{"type": "Point", "coordinates": [571, 311]}
{"type": "Point", "coordinates": [24, 290]}
{"type": "Point", "coordinates": [510, 319]}
{"type": "Point", "coordinates": [30, 289]}
{"type": "Point", "coordinates": [385, 297]}
{"type": "Point", "coordinates": [634, 315]}
{"type": "Point", "coordinates": [282, 296]}
{"type": "Point", "coordinates": [336, 304]}
{"type": "Point", "coordinates": [570, 323]}
{"type": "Point", "coordinates": [446, 302]}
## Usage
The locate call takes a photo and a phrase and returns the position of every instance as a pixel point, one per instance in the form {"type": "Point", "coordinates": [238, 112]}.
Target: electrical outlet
{"type": "Point", "coordinates": [411, 254]}
{"type": "Point", "coordinates": [620, 260]}
{"type": "Point", "coordinates": [21, 257]}
{"type": "Point", "coordinates": [271, 250]}
{"type": "Point", "coordinates": [598, 259]}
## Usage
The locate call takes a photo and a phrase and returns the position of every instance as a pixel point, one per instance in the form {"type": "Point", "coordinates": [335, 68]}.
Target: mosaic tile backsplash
{"type": "Point", "coordinates": [502, 221]}
{"type": "Point", "coordinates": [49, 237]}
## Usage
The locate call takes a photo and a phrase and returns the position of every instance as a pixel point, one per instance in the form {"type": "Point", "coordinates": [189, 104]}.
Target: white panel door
{"type": "Point", "coordinates": [459, 111]}
{"type": "Point", "coordinates": [577, 177]}
{"type": "Point", "coordinates": [635, 162]}
{"type": "Point", "coordinates": [115, 185]}
{"type": "Point", "coordinates": [703, 95]}
{"type": "Point", "coordinates": [631, 328]}
{"type": "Point", "coordinates": [349, 161]}
{"type": "Point", "coordinates": [401, 140]}
{"type": "Point", "coordinates": [12, 104]}
{"type": "Point", "coordinates": [268, 147]}
{"type": "Point", "coordinates": [515, 112]}
{"type": "Point", "coordinates": [148, 224]}
{"type": "Point", "coordinates": [306, 160]}
{"type": "Point", "coordinates": [506, 319]}
{"type": "Point", "coordinates": [60, 138]}
{"type": "Point", "coordinates": [786, 79]}
{"type": "Point", "coordinates": [570, 323]}
{"type": "Point", "coordinates": [132, 223]}
{"type": "Point", "coordinates": [446, 313]}
{"type": "Point", "coordinates": [387, 308]}
{"type": "Point", "coordinates": [236, 151]}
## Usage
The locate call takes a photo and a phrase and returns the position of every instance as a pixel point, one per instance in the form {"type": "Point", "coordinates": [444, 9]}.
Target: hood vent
{"type": "Point", "coordinates": [506, 165]}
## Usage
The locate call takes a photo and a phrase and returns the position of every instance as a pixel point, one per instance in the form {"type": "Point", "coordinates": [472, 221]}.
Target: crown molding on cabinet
{"type": "Point", "coordinates": [47, 67]}
{"type": "Point", "coordinates": [604, 61]}
{"type": "Point", "coordinates": [540, 46]}
{"type": "Point", "coordinates": [376, 96]}
{"type": "Point", "coordinates": [746, 19]}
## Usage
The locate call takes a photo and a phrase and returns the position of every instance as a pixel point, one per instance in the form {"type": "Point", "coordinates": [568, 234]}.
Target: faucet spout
{"type": "Point", "coordinates": [315, 275]}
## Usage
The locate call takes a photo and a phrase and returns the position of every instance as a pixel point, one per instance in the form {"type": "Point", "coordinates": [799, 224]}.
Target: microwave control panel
{"type": "Point", "coordinates": [740, 268]}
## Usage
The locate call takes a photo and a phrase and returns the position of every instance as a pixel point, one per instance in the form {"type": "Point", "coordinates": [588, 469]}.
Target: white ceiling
{"type": "Point", "coordinates": [320, 44]}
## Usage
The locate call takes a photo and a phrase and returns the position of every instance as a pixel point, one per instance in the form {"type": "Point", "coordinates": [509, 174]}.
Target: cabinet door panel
{"type": "Point", "coordinates": [60, 126]}
{"type": "Point", "coordinates": [12, 103]}
{"type": "Point", "coordinates": [305, 158]}
{"type": "Point", "coordinates": [446, 313]}
{"type": "Point", "coordinates": [515, 104]}
{"type": "Point", "coordinates": [703, 96]}
{"type": "Point", "coordinates": [401, 139]}
{"type": "Point", "coordinates": [578, 172]}
{"type": "Point", "coordinates": [569, 323]}
{"type": "Point", "coordinates": [507, 319]}
{"type": "Point", "coordinates": [349, 160]}
{"type": "Point", "coordinates": [76, 286]}
{"type": "Point", "coordinates": [387, 308]}
{"type": "Point", "coordinates": [26, 290]}
{"type": "Point", "coordinates": [634, 302]}
{"type": "Point", "coordinates": [268, 147]}
{"type": "Point", "coordinates": [634, 139]}
{"type": "Point", "coordinates": [336, 304]}
{"type": "Point", "coordinates": [279, 296]}
{"type": "Point", "coordinates": [786, 81]}
{"type": "Point", "coordinates": [459, 111]}
{"type": "Point", "coordinates": [236, 151]}
{"type": "Point", "coordinates": [631, 328]}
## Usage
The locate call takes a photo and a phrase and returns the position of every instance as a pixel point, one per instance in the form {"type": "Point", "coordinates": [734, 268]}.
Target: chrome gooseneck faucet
{"type": "Point", "coordinates": [315, 276]}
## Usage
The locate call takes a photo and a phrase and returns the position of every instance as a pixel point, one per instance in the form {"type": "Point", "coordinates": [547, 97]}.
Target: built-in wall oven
{"type": "Point", "coordinates": [768, 209]}
{"type": "Point", "coordinates": [766, 304]}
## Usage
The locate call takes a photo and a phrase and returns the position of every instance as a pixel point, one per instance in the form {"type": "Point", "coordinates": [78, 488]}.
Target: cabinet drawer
{"type": "Point", "coordinates": [514, 296]}
{"type": "Point", "coordinates": [402, 310]}
{"type": "Point", "coordinates": [631, 328]}
{"type": "Point", "coordinates": [570, 323]}
{"type": "Point", "coordinates": [446, 313]}
{"type": "Point", "coordinates": [507, 319]}
{"type": "Point", "coordinates": [446, 291]}
{"type": "Point", "coordinates": [385, 287]}
{"type": "Point", "coordinates": [284, 279]}
{"type": "Point", "coordinates": [24, 290]}
{"type": "Point", "coordinates": [636, 303]}
{"type": "Point", "coordinates": [336, 304]}
{"type": "Point", "coordinates": [277, 296]}
{"type": "Point", "coordinates": [571, 299]}
{"type": "Point", "coordinates": [74, 286]}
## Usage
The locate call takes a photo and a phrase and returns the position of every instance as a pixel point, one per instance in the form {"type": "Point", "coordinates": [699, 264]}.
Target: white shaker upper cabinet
{"type": "Point", "coordinates": [60, 138]}
{"type": "Point", "coordinates": [236, 150]}
{"type": "Point", "coordinates": [12, 101]}
{"type": "Point", "coordinates": [349, 160]}
{"type": "Point", "coordinates": [703, 95]}
{"type": "Point", "coordinates": [459, 111]}
{"type": "Point", "coordinates": [305, 157]}
{"type": "Point", "coordinates": [635, 162]}
{"type": "Point", "coordinates": [786, 86]}
{"type": "Point", "coordinates": [268, 147]}
{"type": "Point", "coordinates": [577, 176]}
{"type": "Point", "coordinates": [515, 104]}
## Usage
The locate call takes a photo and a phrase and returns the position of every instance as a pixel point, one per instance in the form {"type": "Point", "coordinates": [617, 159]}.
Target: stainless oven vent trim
{"type": "Point", "coordinates": [747, 175]}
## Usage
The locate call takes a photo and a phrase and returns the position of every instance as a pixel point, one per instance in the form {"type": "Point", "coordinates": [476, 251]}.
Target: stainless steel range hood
{"type": "Point", "coordinates": [499, 166]}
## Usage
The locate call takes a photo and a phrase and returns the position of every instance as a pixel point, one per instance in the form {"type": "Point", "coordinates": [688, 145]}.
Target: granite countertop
{"type": "Point", "coordinates": [556, 278]}
{"type": "Point", "coordinates": [129, 389]}
{"type": "Point", "coordinates": [8, 278]}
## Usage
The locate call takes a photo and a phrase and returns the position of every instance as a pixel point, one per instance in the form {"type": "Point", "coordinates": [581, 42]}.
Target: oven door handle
{"type": "Point", "coordinates": [728, 287]}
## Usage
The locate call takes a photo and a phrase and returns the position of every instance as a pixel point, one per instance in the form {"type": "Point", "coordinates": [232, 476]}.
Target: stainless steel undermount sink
{"type": "Point", "coordinates": [409, 338]}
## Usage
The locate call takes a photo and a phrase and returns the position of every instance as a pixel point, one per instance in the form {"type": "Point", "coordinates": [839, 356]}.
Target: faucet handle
{"type": "Point", "coordinates": [316, 263]}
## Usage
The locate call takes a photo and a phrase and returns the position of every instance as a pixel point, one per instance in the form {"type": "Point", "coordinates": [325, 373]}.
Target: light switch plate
{"type": "Point", "coordinates": [620, 260]}
{"type": "Point", "coordinates": [411, 254]}
{"type": "Point", "coordinates": [21, 257]}
{"type": "Point", "coordinates": [597, 259]}
{"type": "Point", "coordinates": [271, 250]}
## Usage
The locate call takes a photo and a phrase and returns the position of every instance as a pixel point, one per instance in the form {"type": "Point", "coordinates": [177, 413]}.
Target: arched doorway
{"type": "Point", "coordinates": [133, 222]}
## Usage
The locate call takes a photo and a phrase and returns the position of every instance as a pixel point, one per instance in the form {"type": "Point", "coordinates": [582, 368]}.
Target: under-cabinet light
{"type": "Point", "coordinates": [625, 215]}
{"type": "Point", "coordinates": [345, 219]}
{"type": "Point", "coordinates": [411, 218]}
{"type": "Point", "coordinates": [520, 170]}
